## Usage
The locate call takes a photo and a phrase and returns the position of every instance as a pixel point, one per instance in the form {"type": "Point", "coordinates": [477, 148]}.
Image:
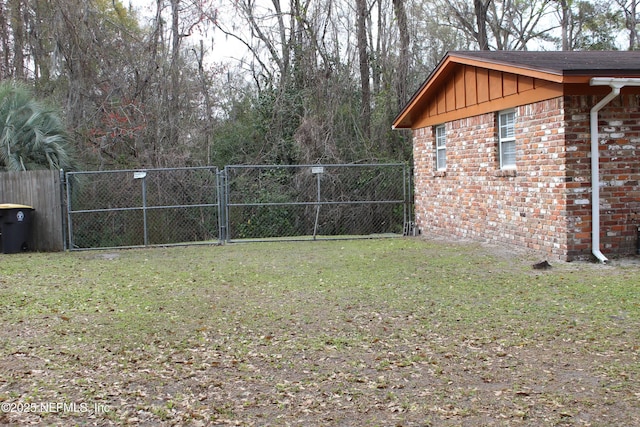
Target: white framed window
{"type": "Point", "coordinates": [441, 148]}
{"type": "Point", "coordinates": [507, 139]}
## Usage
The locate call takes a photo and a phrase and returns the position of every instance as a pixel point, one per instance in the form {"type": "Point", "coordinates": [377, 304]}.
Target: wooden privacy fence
{"type": "Point", "coordinates": [40, 189]}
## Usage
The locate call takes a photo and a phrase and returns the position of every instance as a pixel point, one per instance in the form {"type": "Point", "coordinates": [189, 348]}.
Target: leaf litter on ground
{"type": "Point", "coordinates": [403, 332]}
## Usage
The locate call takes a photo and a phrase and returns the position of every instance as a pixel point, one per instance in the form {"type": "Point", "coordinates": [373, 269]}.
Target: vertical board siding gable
{"type": "Point", "coordinates": [450, 96]}
{"type": "Point", "coordinates": [525, 83]}
{"type": "Point", "coordinates": [460, 90]}
{"type": "Point", "coordinates": [509, 84]}
{"type": "Point", "coordinates": [482, 77]}
{"type": "Point", "coordinates": [495, 84]}
{"type": "Point", "coordinates": [468, 87]}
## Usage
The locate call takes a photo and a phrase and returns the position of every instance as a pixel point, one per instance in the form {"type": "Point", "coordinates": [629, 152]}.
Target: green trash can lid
{"type": "Point", "coordinates": [14, 206]}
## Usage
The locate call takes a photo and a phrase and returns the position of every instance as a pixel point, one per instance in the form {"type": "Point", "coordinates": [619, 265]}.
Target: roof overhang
{"type": "Point", "coordinates": [501, 62]}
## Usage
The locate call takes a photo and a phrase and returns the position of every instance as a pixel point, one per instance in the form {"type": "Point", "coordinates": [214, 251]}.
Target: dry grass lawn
{"type": "Point", "coordinates": [390, 332]}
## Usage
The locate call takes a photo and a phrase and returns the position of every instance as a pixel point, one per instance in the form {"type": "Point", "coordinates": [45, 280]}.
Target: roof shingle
{"type": "Point", "coordinates": [566, 63]}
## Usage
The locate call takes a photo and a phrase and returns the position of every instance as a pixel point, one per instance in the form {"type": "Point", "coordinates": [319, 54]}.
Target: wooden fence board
{"type": "Point", "coordinates": [41, 190]}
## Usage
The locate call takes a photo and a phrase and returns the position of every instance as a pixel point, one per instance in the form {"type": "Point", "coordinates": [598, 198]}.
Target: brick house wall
{"type": "Point", "coordinates": [619, 129]}
{"type": "Point", "coordinates": [544, 205]}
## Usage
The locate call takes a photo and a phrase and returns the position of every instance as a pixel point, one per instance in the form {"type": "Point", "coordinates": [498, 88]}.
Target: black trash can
{"type": "Point", "coordinates": [15, 227]}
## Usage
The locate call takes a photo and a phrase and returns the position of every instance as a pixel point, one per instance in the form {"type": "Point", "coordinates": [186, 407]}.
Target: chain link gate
{"type": "Point", "coordinates": [132, 208]}
{"type": "Point", "coordinates": [271, 202]}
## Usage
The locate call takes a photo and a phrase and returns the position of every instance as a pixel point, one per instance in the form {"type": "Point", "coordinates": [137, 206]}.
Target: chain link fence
{"type": "Point", "coordinates": [316, 201]}
{"type": "Point", "coordinates": [131, 208]}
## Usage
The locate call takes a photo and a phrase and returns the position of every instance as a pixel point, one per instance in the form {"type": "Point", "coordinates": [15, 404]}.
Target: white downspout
{"type": "Point", "coordinates": [616, 84]}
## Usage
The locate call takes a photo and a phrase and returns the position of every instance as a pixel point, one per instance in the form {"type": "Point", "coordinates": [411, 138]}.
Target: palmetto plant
{"type": "Point", "coordinates": [32, 136]}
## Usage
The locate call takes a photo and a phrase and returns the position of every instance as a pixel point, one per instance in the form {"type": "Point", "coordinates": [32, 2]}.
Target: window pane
{"type": "Point", "coordinates": [440, 136]}
{"type": "Point", "coordinates": [442, 159]}
{"type": "Point", "coordinates": [507, 134]}
{"type": "Point", "coordinates": [508, 153]}
{"type": "Point", "coordinates": [441, 152]}
{"type": "Point", "coordinates": [507, 125]}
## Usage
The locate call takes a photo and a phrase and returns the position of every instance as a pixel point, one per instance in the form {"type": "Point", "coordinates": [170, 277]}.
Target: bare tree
{"type": "Point", "coordinates": [630, 12]}
{"type": "Point", "coordinates": [471, 18]}
{"type": "Point", "coordinates": [317, 81]}
{"type": "Point", "coordinates": [516, 23]}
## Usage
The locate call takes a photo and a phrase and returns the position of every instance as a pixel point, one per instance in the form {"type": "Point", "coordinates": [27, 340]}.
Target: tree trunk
{"type": "Point", "coordinates": [403, 66]}
{"type": "Point", "coordinates": [17, 25]}
{"type": "Point", "coordinates": [480, 8]}
{"type": "Point", "coordinates": [632, 24]}
{"type": "Point", "coordinates": [363, 55]}
{"type": "Point", "coordinates": [5, 47]}
{"type": "Point", "coordinates": [565, 14]}
{"type": "Point", "coordinates": [207, 100]}
{"type": "Point", "coordinates": [174, 90]}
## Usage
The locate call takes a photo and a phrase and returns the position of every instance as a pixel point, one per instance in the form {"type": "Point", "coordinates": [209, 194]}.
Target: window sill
{"type": "Point", "coordinates": [440, 173]}
{"type": "Point", "coordinates": [505, 173]}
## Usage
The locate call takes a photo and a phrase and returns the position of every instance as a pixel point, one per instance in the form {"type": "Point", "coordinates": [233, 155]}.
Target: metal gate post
{"type": "Point", "coordinates": [69, 208]}
{"type": "Point", "coordinates": [407, 186]}
{"type": "Point", "coordinates": [224, 200]}
{"type": "Point", "coordinates": [144, 210]}
{"type": "Point", "coordinates": [315, 226]}
{"type": "Point", "coordinates": [62, 210]}
{"type": "Point", "coordinates": [142, 175]}
{"type": "Point", "coordinates": [222, 206]}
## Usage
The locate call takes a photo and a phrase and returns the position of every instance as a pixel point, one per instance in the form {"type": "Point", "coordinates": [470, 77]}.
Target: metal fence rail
{"type": "Point", "coordinates": [267, 202]}
{"type": "Point", "coordinates": [130, 208]}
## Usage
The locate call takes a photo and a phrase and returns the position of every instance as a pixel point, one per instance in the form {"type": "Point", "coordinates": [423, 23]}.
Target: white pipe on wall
{"type": "Point", "coordinates": [616, 84]}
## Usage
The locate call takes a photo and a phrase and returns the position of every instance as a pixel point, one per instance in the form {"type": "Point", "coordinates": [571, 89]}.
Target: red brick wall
{"type": "Point", "coordinates": [619, 128]}
{"type": "Point", "coordinates": [545, 204]}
